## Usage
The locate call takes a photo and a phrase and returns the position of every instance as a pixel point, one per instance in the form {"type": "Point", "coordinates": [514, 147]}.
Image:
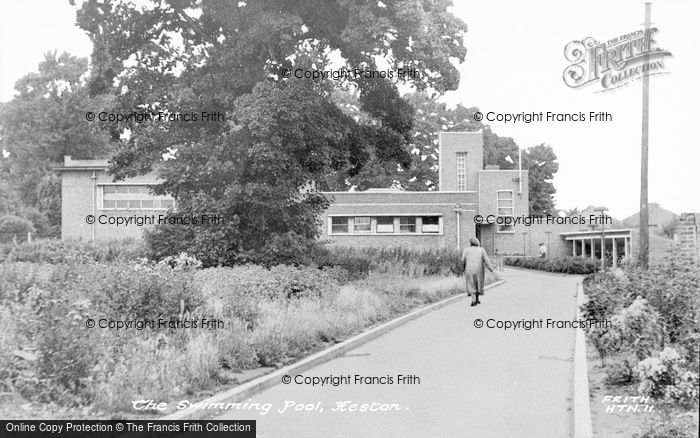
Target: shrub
{"type": "Point", "coordinates": [605, 296]}
{"type": "Point", "coordinates": [182, 261]}
{"type": "Point", "coordinates": [269, 316]}
{"type": "Point", "coordinates": [606, 341]}
{"type": "Point", "coordinates": [669, 288]}
{"type": "Point", "coordinates": [620, 373]}
{"type": "Point", "coordinates": [14, 226]}
{"type": "Point", "coordinates": [56, 251]}
{"type": "Point", "coordinates": [639, 327]}
{"type": "Point", "coordinates": [397, 261]}
{"type": "Point", "coordinates": [565, 265]}
{"type": "Point", "coordinates": [665, 377]}
{"type": "Point", "coordinates": [671, 426]}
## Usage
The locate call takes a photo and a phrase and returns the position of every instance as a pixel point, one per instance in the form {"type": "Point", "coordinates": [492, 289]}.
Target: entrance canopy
{"type": "Point", "coordinates": [613, 245]}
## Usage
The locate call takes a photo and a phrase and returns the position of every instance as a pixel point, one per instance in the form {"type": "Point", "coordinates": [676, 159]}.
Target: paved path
{"type": "Point", "coordinates": [473, 382]}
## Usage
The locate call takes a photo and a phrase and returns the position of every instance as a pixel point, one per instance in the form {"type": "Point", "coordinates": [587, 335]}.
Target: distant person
{"type": "Point", "coordinates": [499, 261]}
{"type": "Point", "coordinates": [543, 251]}
{"type": "Point", "coordinates": [475, 260]}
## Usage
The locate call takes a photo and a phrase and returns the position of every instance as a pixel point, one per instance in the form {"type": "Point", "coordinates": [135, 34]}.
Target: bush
{"type": "Point", "coordinates": [620, 373]}
{"type": "Point", "coordinates": [397, 261]}
{"type": "Point", "coordinates": [669, 288]}
{"type": "Point", "coordinates": [564, 265]}
{"type": "Point", "coordinates": [671, 426]}
{"type": "Point", "coordinates": [12, 226]}
{"type": "Point", "coordinates": [666, 377]}
{"type": "Point", "coordinates": [55, 251]}
{"type": "Point", "coordinates": [270, 316]}
{"type": "Point", "coordinates": [606, 341]}
{"type": "Point", "coordinates": [639, 327]}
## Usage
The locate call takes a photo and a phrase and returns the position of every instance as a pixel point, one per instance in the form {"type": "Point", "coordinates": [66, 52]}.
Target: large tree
{"type": "Point", "coordinates": [282, 135]}
{"type": "Point", "coordinates": [44, 122]}
{"type": "Point", "coordinates": [541, 163]}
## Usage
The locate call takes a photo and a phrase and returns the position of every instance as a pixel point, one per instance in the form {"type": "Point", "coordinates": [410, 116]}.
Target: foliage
{"type": "Point", "coordinates": [270, 317]}
{"type": "Point", "coordinates": [541, 163]}
{"type": "Point", "coordinates": [670, 425]}
{"type": "Point", "coordinates": [432, 117]}
{"type": "Point", "coordinates": [620, 373]}
{"type": "Point", "coordinates": [52, 99]}
{"type": "Point", "coordinates": [605, 340]}
{"type": "Point", "coordinates": [565, 265]}
{"type": "Point", "coordinates": [639, 327]}
{"type": "Point", "coordinates": [398, 260]}
{"type": "Point", "coordinates": [666, 377]}
{"type": "Point", "coordinates": [261, 168]}
{"type": "Point", "coordinates": [182, 261]}
{"type": "Point", "coordinates": [12, 226]}
{"type": "Point", "coordinates": [57, 251]}
{"type": "Point", "coordinates": [669, 288]}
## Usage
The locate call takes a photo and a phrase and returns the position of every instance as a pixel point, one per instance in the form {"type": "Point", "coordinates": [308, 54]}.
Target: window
{"type": "Point", "coordinates": [363, 224]}
{"type": "Point", "coordinates": [461, 171]}
{"type": "Point", "coordinates": [407, 224]}
{"type": "Point", "coordinates": [340, 224]}
{"type": "Point", "coordinates": [430, 224]}
{"type": "Point", "coordinates": [132, 197]}
{"type": "Point", "coordinates": [505, 209]}
{"type": "Point", "coordinates": [385, 224]}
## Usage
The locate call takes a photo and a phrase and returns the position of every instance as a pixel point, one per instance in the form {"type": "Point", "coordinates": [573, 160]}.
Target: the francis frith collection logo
{"type": "Point", "coordinates": [614, 63]}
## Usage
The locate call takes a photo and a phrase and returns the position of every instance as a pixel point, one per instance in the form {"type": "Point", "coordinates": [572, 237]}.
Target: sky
{"type": "Point", "coordinates": [514, 64]}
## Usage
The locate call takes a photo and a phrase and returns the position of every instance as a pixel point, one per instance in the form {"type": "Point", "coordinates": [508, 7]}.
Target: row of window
{"type": "Point", "coordinates": [137, 204]}
{"type": "Point", "coordinates": [132, 197]}
{"type": "Point", "coordinates": [385, 225]}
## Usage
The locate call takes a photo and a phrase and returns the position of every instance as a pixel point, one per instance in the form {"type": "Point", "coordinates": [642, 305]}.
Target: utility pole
{"type": "Point", "coordinates": [602, 211]}
{"type": "Point", "coordinates": [644, 191]}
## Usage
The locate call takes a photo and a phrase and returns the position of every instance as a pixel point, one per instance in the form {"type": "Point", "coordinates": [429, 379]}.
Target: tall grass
{"type": "Point", "coordinates": [270, 317]}
{"type": "Point", "coordinates": [397, 261]}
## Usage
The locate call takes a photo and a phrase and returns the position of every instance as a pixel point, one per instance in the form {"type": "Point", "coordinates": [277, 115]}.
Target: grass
{"type": "Point", "coordinates": [270, 318]}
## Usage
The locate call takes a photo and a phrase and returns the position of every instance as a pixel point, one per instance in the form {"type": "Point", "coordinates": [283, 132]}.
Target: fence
{"type": "Point", "coordinates": [17, 238]}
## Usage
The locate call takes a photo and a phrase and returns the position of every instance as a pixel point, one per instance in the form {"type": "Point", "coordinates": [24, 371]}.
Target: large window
{"type": "Point", "coordinates": [407, 224]}
{"type": "Point", "coordinates": [461, 171]}
{"type": "Point", "coordinates": [430, 224]}
{"type": "Point", "coordinates": [340, 224]}
{"type": "Point", "coordinates": [363, 224]}
{"type": "Point", "coordinates": [132, 197]}
{"type": "Point", "coordinates": [383, 225]}
{"type": "Point", "coordinates": [505, 209]}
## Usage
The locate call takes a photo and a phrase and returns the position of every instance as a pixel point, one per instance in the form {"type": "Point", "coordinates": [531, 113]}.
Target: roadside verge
{"type": "Point", "coordinates": [252, 387]}
{"type": "Point", "coordinates": [582, 402]}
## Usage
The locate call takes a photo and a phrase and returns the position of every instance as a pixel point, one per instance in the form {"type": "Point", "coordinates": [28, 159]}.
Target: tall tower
{"type": "Point", "coordinates": [461, 159]}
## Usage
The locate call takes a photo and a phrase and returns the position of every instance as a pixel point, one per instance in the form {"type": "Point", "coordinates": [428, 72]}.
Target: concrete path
{"type": "Point", "coordinates": [474, 382]}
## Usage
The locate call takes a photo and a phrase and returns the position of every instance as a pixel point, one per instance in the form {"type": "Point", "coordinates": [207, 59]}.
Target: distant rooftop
{"type": "Point", "coordinates": [385, 190]}
{"type": "Point", "coordinates": [70, 164]}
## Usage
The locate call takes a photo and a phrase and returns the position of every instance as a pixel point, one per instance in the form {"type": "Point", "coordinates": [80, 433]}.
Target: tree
{"type": "Point", "coordinates": [41, 124]}
{"type": "Point", "coordinates": [261, 169]}
{"type": "Point", "coordinates": [540, 161]}
{"type": "Point", "coordinates": [431, 118]}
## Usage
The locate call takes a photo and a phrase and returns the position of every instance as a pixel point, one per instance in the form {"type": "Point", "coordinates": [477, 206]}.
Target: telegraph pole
{"type": "Point", "coordinates": [644, 192]}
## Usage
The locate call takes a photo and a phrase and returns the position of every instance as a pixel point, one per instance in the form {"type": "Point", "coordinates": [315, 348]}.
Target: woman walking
{"type": "Point", "coordinates": [475, 260]}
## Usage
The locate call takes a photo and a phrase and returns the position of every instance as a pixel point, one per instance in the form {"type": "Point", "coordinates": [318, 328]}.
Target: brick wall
{"type": "Point", "coordinates": [490, 182]}
{"type": "Point", "coordinates": [452, 143]}
{"type": "Point", "coordinates": [78, 193]}
{"type": "Point", "coordinates": [686, 238]}
{"type": "Point", "coordinates": [403, 204]}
